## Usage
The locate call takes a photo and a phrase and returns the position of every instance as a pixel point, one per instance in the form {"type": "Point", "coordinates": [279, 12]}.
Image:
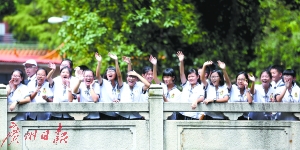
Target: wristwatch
{"type": "Point", "coordinates": [18, 101]}
{"type": "Point", "coordinates": [215, 100]}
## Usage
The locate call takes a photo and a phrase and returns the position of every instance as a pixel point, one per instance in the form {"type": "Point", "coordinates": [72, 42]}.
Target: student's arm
{"type": "Point", "coordinates": [181, 67]}
{"type": "Point", "coordinates": [49, 76]}
{"type": "Point", "coordinates": [251, 78]}
{"type": "Point", "coordinates": [33, 94]}
{"type": "Point", "coordinates": [94, 96]}
{"type": "Point", "coordinates": [248, 94]}
{"type": "Point", "coordinates": [202, 76]}
{"type": "Point", "coordinates": [153, 60]}
{"type": "Point", "coordinates": [119, 75]}
{"type": "Point", "coordinates": [68, 89]}
{"type": "Point", "coordinates": [11, 87]}
{"type": "Point", "coordinates": [128, 61]}
{"type": "Point", "coordinates": [22, 101]}
{"type": "Point", "coordinates": [222, 65]}
{"type": "Point", "coordinates": [195, 103]}
{"type": "Point", "coordinates": [79, 76]}
{"type": "Point", "coordinates": [98, 70]}
{"type": "Point", "coordinates": [142, 79]}
{"type": "Point", "coordinates": [279, 97]}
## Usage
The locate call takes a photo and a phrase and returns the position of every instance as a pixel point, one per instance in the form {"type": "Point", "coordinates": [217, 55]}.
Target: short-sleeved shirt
{"type": "Point", "coordinates": [236, 96]}
{"type": "Point", "coordinates": [19, 93]}
{"type": "Point", "coordinates": [131, 95]}
{"type": "Point", "coordinates": [45, 90]}
{"type": "Point", "coordinates": [107, 96]}
{"type": "Point", "coordinates": [61, 94]}
{"type": "Point", "coordinates": [213, 93]}
{"type": "Point", "coordinates": [60, 91]}
{"type": "Point", "coordinates": [190, 94]}
{"type": "Point", "coordinates": [290, 96]}
{"type": "Point", "coordinates": [261, 97]}
{"type": "Point", "coordinates": [173, 95]}
{"type": "Point", "coordinates": [85, 97]}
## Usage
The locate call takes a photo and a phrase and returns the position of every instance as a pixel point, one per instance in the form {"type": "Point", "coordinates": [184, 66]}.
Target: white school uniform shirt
{"type": "Point", "coordinates": [190, 94]}
{"type": "Point", "coordinates": [85, 97]}
{"type": "Point", "coordinates": [45, 90]}
{"type": "Point", "coordinates": [31, 79]}
{"type": "Point", "coordinates": [213, 93]}
{"type": "Point", "coordinates": [290, 96]}
{"type": "Point", "coordinates": [173, 95]}
{"type": "Point", "coordinates": [61, 94]}
{"type": "Point", "coordinates": [236, 96]}
{"type": "Point", "coordinates": [261, 97]}
{"type": "Point", "coordinates": [131, 95]}
{"type": "Point", "coordinates": [144, 97]}
{"type": "Point", "coordinates": [18, 94]}
{"type": "Point", "coordinates": [106, 95]}
{"type": "Point", "coordinates": [280, 83]}
{"type": "Point", "coordinates": [60, 91]}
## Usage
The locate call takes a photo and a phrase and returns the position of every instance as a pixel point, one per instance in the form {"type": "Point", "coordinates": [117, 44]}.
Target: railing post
{"type": "Point", "coordinates": [156, 117]}
{"type": "Point", "coordinates": [3, 117]}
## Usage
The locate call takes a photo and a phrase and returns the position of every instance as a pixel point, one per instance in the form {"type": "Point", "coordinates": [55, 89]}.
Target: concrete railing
{"type": "Point", "coordinates": [155, 133]}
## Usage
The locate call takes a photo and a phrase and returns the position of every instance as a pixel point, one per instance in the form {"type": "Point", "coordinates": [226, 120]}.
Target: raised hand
{"type": "Point", "coordinates": [221, 64]}
{"type": "Point", "coordinates": [251, 77]}
{"type": "Point", "coordinates": [180, 55]}
{"type": "Point", "coordinates": [11, 83]}
{"type": "Point", "coordinates": [113, 56]}
{"type": "Point", "coordinates": [98, 57]}
{"type": "Point", "coordinates": [126, 59]}
{"type": "Point", "coordinates": [287, 84]}
{"type": "Point", "coordinates": [208, 63]}
{"type": "Point", "coordinates": [153, 60]}
{"type": "Point", "coordinates": [79, 73]}
{"type": "Point", "coordinates": [66, 82]}
{"type": "Point", "coordinates": [52, 65]}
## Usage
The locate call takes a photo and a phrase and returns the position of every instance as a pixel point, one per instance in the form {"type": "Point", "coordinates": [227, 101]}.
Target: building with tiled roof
{"type": "Point", "coordinates": [13, 58]}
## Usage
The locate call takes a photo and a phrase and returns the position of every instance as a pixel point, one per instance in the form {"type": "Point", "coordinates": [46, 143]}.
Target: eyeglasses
{"type": "Point", "coordinates": [241, 79]}
{"type": "Point", "coordinates": [213, 77]}
{"type": "Point", "coordinates": [16, 76]}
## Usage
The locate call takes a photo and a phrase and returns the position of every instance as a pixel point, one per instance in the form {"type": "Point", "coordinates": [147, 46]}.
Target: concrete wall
{"type": "Point", "coordinates": [155, 133]}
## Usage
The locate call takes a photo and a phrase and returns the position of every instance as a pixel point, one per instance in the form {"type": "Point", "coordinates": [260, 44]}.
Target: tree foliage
{"type": "Point", "coordinates": [246, 35]}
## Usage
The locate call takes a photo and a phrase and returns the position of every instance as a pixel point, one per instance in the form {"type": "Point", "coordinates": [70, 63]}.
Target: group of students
{"type": "Point", "coordinates": [200, 85]}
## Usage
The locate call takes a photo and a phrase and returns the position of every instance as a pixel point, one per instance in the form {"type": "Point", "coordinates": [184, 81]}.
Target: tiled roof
{"type": "Point", "coordinates": [15, 55]}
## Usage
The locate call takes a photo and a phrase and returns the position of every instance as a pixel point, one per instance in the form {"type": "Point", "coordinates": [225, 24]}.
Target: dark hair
{"type": "Point", "coordinates": [222, 81]}
{"type": "Point", "coordinates": [44, 70]}
{"type": "Point", "coordinates": [169, 72]}
{"type": "Point", "coordinates": [68, 60]}
{"type": "Point", "coordinates": [290, 72]}
{"type": "Point", "coordinates": [88, 70]}
{"type": "Point", "coordinates": [267, 71]}
{"type": "Point", "coordinates": [66, 67]}
{"type": "Point", "coordinates": [83, 67]}
{"type": "Point", "coordinates": [21, 74]}
{"type": "Point", "coordinates": [110, 68]}
{"type": "Point", "coordinates": [192, 71]}
{"type": "Point", "coordinates": [279, 68]}
{"type": "Point", "coordinates": [244, 73]}
{"type": "Point", "coordinates": [146, 69]}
